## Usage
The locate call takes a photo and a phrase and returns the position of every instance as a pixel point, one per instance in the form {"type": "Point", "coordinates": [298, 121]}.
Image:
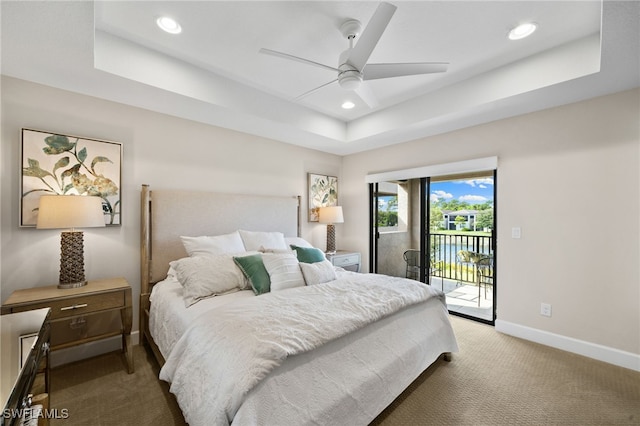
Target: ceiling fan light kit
{"type": "Point", "coordinates": [353, 68]}
{"type": "Point", "coordinates": [349, 78]}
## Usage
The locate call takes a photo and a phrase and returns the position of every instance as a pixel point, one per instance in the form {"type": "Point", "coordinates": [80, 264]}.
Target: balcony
{"type": "Point", "coordinates": [466, 298]}
{"type": "Point", "coordinates": [463, 268]}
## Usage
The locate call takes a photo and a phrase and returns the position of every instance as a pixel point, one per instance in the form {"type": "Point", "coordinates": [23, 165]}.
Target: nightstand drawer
{"type": "Point", "coordinates": [78, 305]}
{"type": "Point", "coordinates": [349, 260]}
{"type": "Point", "coordinates": [346, 260]}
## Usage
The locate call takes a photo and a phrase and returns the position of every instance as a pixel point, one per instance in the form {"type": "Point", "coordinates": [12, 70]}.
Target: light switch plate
{"type": "Point", "coordinates": [516, 232]}
{"type": "Point", "coordinates": [545, 309]}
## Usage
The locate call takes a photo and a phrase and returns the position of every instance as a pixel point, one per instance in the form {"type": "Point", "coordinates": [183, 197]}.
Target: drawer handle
{"type": "Point", "coordinates": [68, 308]}
{"type": "Point", "coordinates": [26, 401]}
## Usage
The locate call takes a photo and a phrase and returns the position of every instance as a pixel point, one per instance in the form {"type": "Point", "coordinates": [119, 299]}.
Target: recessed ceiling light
{"type": "Point", "coordinates": [522, 31]}
{"type": "Point", "coordinates": [348, 105]}
{"type": "Point", "coordinates": [169, 25]}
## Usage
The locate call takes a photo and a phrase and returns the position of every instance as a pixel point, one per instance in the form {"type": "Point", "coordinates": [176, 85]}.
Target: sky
{"type": "Point", "coordinates": [473, 191]}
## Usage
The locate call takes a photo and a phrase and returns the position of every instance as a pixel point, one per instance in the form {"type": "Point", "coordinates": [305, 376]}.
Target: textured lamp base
{"type": "Point", "coordinates": [72, 260]}
{"type": "Point", "coordinates": [72, 285]}
{"type": "Point", "coordinates": [331, 238]}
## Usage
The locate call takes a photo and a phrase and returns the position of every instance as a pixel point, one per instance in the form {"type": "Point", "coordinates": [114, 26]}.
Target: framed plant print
{"type": "Point", "coordinates": [61, 164]}
{"type": "Point", "coordinates": [323, 192]}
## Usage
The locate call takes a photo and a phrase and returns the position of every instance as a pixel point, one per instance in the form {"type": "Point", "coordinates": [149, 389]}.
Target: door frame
{"type": "Point", "coordinates": [425, 236]}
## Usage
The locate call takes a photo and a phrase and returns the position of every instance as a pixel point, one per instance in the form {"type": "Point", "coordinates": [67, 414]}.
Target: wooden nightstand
{"type": "Point", "coordinates": [349, 260]}
{"type": "Point", "coordinates": [96, 297]}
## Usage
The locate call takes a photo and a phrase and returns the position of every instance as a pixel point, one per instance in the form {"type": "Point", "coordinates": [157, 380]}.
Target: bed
{"type": "Point", "coordinates": [336, 349]}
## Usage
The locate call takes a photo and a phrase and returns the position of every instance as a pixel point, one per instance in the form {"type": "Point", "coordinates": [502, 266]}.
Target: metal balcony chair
{"type": "Point", "coordinates": [463, 257]}
{"type": "Point", "coordinates": [482, 265]}
{"type": "Point", "coordinates": [485, 272]}
{"type": "Point", "coordinates": [412, 257]}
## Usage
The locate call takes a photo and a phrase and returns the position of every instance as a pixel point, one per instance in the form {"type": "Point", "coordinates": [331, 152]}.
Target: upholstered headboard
{"type": "Point", "coordinates": [169, 214]}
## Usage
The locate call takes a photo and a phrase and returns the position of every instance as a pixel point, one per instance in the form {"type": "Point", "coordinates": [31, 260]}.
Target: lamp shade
{"type": "Point", "coordinates": [331, 214]}
{"type": "Point", "coordinates": [69, 211]}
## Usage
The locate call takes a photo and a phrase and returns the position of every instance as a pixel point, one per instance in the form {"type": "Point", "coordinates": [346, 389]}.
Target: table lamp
{"type": "Point", "coordinates": [331, 215]}
{"type": "Point", "coordinates": [70, 211]}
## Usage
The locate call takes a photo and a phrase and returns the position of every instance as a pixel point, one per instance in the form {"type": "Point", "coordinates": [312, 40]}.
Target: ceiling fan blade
{"type": "Point", "coordinates": [375, 71]}
{"type": "Point", "coordinates": [365, 93]}
{"type": "Point", "coordinates": [314, 90]}
{"type": "Point", "coordinates": [369, 38]}
{"type": "Point", "coordinates": [297, 59]}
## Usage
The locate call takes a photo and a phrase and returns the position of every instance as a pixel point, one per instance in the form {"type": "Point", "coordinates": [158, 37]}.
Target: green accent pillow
{"type": "Point", "coordinates": [253, 268]}
{"type": "Point", "coordinates": [308, 254]}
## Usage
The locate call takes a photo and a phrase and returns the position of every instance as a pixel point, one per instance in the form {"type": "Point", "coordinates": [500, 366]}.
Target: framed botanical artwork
{"type": "Point", "coordinates": [62, 164]}
{"type": "Point", "coordinates": [323, 192]}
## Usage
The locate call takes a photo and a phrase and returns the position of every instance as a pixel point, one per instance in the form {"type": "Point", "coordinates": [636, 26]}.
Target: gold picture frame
{"type": "Point", "coordinates": [53, 163]}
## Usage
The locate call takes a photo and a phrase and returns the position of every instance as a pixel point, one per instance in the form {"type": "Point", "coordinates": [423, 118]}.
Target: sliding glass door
{"type": "Point", "coordinates": [462, 242]}
{"type": "Point", "coordinates": [440, 231]}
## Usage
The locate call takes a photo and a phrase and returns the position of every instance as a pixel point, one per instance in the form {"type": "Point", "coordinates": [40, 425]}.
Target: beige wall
{"type": "Point", "coordinates": [569, 177]}
{"type": "Point", "coordinates": [159, 150]}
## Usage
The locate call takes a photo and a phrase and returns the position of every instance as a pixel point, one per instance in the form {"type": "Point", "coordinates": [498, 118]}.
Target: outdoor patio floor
{"type": "Point", "coordinates": [463, 297]}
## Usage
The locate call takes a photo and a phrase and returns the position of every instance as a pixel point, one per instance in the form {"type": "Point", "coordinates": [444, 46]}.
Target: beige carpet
{"type": "Point", "coordinates": [494, 380]}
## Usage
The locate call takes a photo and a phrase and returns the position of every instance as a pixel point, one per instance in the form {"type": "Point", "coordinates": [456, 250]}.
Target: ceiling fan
{"type": "Point", "coordinates": [353, 68]}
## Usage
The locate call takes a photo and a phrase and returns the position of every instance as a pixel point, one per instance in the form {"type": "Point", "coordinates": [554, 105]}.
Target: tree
{"type": "Point", "coordinates": [484, 206]}
{"type": "Point", "coordinates": [485, 219]}
{"type": "Point", "coordinates": [453, 205]}
{"type": "Point", "coordinates": [435, 218]}
{"type": "Point", "coordinates": [389, 217]}
{"type": "Point", "coordinates": [460, 220]}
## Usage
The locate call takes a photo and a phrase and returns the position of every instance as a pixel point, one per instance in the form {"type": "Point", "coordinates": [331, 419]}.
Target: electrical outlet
{"type": "Point", "coordinates": [545, 309]}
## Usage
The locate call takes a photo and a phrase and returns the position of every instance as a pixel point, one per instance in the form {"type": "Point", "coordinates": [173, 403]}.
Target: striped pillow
{"type": "Point", "coordinates": [284, 270]}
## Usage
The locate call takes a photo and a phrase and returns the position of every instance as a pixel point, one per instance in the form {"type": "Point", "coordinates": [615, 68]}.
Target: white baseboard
{"type": "Point", "coordinates": [591, 350]}
{"type": "Point", "coordinates": [88, 350]}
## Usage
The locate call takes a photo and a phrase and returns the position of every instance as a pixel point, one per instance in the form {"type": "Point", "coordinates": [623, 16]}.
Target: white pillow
{"type": "Point", "coordinates": [278, 251]}
{"type": "Point", "coordinates": [318, 272]}
{"type": "Point", "coordinates": [219, 244]}
{"type": "Point", "coordinates": [284, 270]}
{"type": "Point", "coordinates": [269, 240]}
{"type": "Point", "coordinates": [297, 241]}
{"type": "Point", "coordinates": [208, 275]}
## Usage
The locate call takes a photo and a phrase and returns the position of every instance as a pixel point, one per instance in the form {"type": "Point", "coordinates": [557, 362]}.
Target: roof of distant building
{"type": "Point", "coordinates": [460, 212]}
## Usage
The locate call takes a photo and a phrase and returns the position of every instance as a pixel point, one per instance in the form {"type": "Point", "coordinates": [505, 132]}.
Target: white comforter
{"type": "Point", "coordinates": [225, 353]}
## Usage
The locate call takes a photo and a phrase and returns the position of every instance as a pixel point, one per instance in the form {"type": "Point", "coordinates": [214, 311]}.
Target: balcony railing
{"type": "Point", "coordinates": [447, 264]}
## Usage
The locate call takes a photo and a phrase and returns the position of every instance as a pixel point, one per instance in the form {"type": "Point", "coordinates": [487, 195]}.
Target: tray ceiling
{"type": "Point", "coordinates": [213, 72]}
